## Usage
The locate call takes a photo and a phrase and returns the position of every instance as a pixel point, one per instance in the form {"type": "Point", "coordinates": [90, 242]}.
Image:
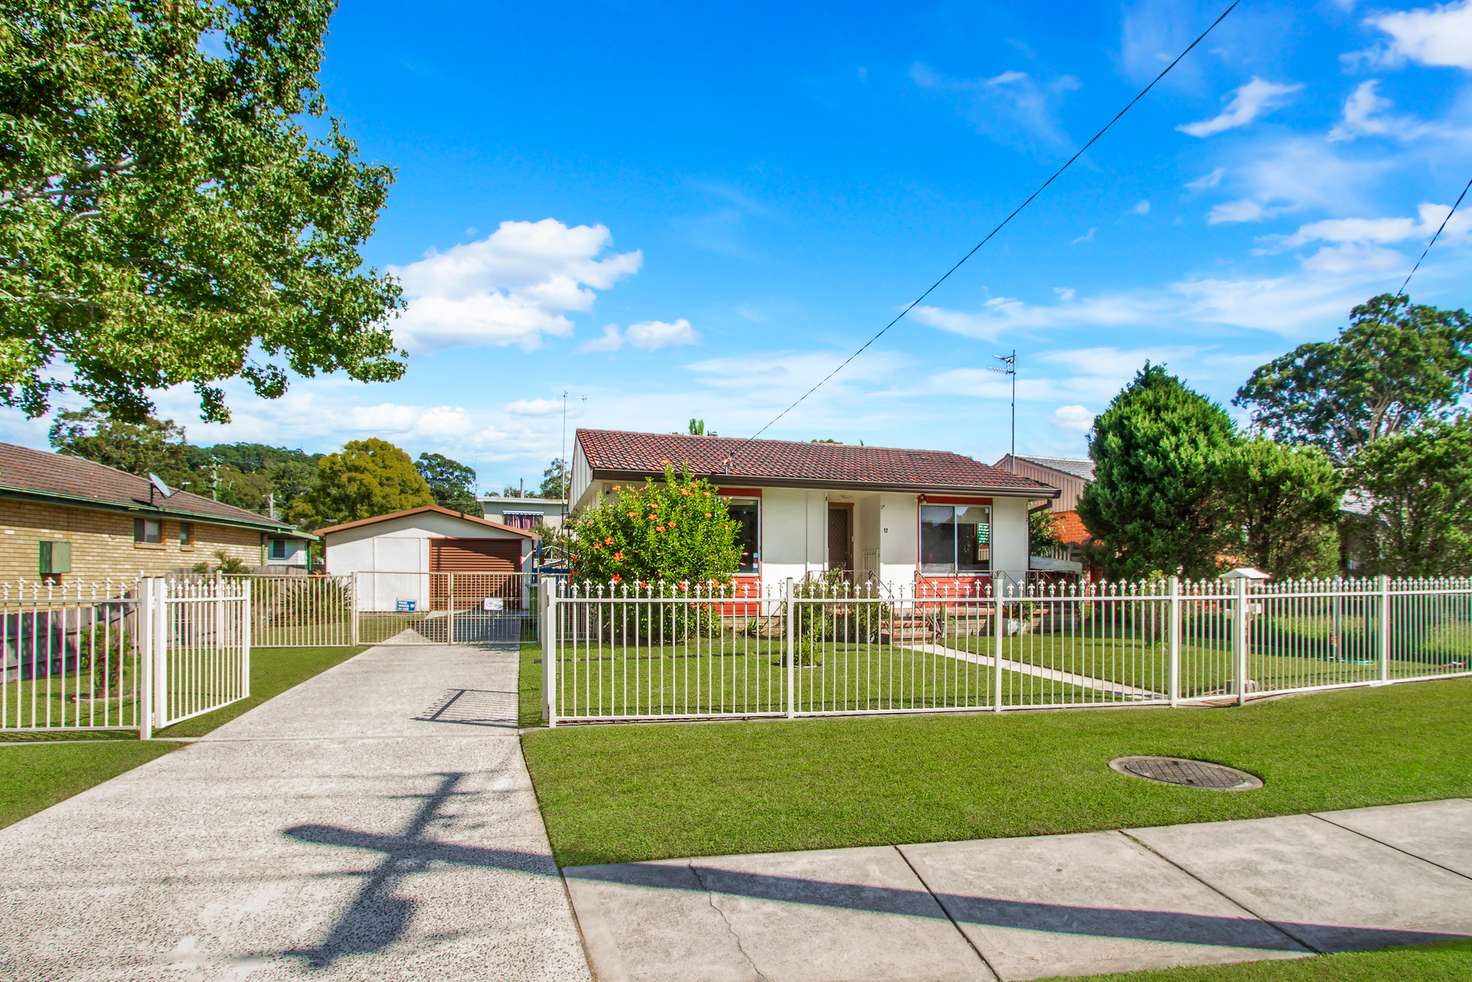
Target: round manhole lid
{"type": "Point", "coordinates": [1191, 773]}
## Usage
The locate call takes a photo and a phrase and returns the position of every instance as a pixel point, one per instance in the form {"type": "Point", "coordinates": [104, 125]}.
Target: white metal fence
{"type": "Point", "coordinates": [444, 608]}
{"type": "Point", "coordinates": [129, 654]}
{"type": "Point", "coordinates": [621, 652]}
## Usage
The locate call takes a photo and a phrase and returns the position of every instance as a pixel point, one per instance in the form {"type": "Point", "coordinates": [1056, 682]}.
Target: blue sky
{"type": "Point", "coordinates": [671, 212]}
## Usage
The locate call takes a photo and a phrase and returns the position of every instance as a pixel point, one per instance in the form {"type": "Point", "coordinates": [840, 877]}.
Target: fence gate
{"type": "Point", "coordinates": [445, 608]}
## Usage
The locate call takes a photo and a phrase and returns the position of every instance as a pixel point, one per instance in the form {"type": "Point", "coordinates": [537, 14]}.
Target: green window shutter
{"type": "Point", "coordinates": [54, 558]}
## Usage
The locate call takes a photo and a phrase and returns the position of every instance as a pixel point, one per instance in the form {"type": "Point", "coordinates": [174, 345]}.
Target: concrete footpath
{"type": "Point", "coordinates": [1036, 907]}
{"type": "Point", "coordinates": [374, 822]}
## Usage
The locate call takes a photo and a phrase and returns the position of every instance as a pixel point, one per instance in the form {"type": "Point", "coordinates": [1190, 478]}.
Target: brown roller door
{"type": "Point", "coordinates": [480, 567]}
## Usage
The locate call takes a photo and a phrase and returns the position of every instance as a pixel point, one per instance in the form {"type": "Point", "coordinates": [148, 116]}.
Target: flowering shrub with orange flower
{"type": "Point", "coordinates": [672, 530]}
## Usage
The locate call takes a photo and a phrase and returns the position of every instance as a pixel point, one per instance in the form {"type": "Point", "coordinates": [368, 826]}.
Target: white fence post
{"type": "Point", "coordinates": [1384, 628]}
{"type": "Point", "coordinates": [1239, 638]}
{"type": "Point", "coordinates": [1175, 640]}
{"type": "Point", "coordinates": [160, 653]}
{"type": "Point", "coordinates": [353, 603]}
{"type": "Point", "coordinates": [245, 640]}
{"type": "Point", "coordinates": [999, 610]}
{"type": "Point", "coordinates": [549, 655]}
{"type": "Point", "coordinates": [144, 665]}
{"type": "Point", "coordinates": [791, 651]}
{"type": "Point", "coordinates": [449, 603]}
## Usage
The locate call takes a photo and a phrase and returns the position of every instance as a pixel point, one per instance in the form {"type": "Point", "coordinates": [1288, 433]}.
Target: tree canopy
{"type": "Point", "coordinates": [1418, 491]}
{"type": "Point", "coordinates": [167, 215]}
{"type": "Point", "coordinates": [366, 478]}
{"type": "Point", "coordinates": [1157, 451]}
{"type": "Point", "coordinates": [1395, 365]}
{"type": "Point", "coordinates": [1285, 500]}
{"type": "Point", "coordinates": [451, 482]}
{"type": "Point", "coordinates": [150, 445]}
{"type": "Point", "coordinates": [554, 480]}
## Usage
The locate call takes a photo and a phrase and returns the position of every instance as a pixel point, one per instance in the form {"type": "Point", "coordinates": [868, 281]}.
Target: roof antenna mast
{"type": "Point", "coordinates": [1009, 367]}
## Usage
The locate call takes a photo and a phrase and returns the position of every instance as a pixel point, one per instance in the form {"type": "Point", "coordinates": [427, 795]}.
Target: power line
{"type": "Point", "coordinates": [999, 226]}
{"type": "Point", "coordinates": [1402, 290]}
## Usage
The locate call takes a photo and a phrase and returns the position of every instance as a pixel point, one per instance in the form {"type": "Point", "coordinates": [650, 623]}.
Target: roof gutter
{"type": "Point", "coordinates": [51, 497]}
{"type": "Point", "coordinates": [780, 482]}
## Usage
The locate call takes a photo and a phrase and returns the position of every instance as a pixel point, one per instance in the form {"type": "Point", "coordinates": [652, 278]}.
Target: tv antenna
{"type": "Point", "coordinates": [1009, 367]}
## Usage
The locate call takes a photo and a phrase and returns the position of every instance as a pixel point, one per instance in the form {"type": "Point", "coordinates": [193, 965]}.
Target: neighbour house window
{"type": "Point", "coordinates": [520, 519]}
{"type": "Point", "coordinates": [747, 512]}
{"type": "Point", "coordinates": [955, 538]}
{"type": "Point", "coordinates": [186, 534]}
{"type": "Point", "coordinates": [279, 549]}
{"type": "Point", "coordinates": [147, 531]}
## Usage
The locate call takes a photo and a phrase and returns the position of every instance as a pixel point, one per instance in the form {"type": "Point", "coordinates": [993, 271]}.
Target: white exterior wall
{"type": "Point", "coordinates": [296, 554]}
{"type": "Point", "coordinates": [794, 533]}
{"type": "Point", "coordinates": [396, 553]}
{"type": "Point", "coordinates": [1009, 537]}
{"type": "Point", "coordinates": [899, 539]}
{"type": "Point", "coordinates": [580, 481]}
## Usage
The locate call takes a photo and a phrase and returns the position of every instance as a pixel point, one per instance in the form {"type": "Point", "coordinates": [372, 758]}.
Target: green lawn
{"type": "Point", "coordinates": [617, 793]}
{"type": "Point", "coordinates": [39, 770]}
{"type": "Point", "coordinates": [1450, 960]}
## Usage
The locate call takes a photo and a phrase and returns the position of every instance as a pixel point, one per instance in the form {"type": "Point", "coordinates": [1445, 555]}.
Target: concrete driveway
{"type": "Point", "coordinates": [374, 822]}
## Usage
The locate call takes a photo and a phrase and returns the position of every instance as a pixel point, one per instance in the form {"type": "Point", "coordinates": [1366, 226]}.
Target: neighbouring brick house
{"type": "Point", "coordinates": [65, 518]}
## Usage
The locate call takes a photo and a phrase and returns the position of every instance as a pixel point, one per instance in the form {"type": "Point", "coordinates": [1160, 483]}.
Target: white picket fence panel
{"type": "Point", "coordinates": [135, 654]}
{"type": "Point", "coordinates": [699, 651]}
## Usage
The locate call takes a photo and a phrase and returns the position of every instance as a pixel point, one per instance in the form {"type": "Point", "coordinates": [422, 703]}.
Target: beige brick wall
{"type": "Point", "coordinates": [102, 542]}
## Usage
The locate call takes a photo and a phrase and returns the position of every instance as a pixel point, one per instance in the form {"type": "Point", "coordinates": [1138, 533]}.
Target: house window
{"type": "Point", "coordinates": [747, 512]}
{"type": "Point", "coordinates": [147, 532]}
{"type": "Point", "coordinates": [520, 519]}
{"type": "Point", "coordinates": [955, 538]}
{"type": "Point", "coordinates": [186, 535]}
{"type": "Point", "coordinates": [279, 549]}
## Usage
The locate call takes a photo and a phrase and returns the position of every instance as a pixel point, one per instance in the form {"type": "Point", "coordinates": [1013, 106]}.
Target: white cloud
{"type": "Point", "coordinates": [1378, 231]}
{"type": "Point", "coordinates": [1352, 258]}
{"type": "Point", "coordinates": [1440, 36]}
{"type": "Point", "coordinates": [514, 287]}
{"type": "Point", "coordinates": [1367, 113]}
{"type": "Point", "coordinates": [533, 407]}
{"type": "Point", "coordinates": [1074, 419]}
{"type": "Point", "coordinates": [645, 335]}
{"type": "Point", "coordinates": [1141, 208]}
{"type": "Point", "coordinates": [1006, 106]}
{"type": "Point", "coordinates": [1065, 293]}
{"type": "Point", "coordinates": [1086, 237]}
{"type": "Point", "coordinates": [1240, 210]}
{"type": "Point", "coordinates": [1207, 181]}
{"type": "Point", "coordinates": [1244, 105]}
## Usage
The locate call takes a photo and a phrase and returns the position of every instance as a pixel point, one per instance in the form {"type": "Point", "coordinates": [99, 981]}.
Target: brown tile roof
{"type": "Point", "coordinates": [375, 519]}
{"type": "Point", "coordinates": [25, 471]}
{"type": "Point", "coordinates": [622, 453]}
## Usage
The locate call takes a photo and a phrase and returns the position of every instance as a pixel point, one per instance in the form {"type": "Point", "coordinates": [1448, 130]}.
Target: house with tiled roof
{"type": "Point", "coordinates": [65, 518]}
{"type": "Point", "coordinates": [881, 514]}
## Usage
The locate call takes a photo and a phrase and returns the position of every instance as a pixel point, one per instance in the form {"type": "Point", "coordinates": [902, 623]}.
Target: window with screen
{"type": "Point", "coordinates": [747, 512]}
{"type": "Point", "coordinates": [280, 549]}
{"type": "Point", "coordinates": [186, 534]}
{"type": "Point", "coordinates": [955, 538]}
{"type": "Point", "coordinates": [147, 532]}
{"type": "Point", "coordinates": [521, 519]}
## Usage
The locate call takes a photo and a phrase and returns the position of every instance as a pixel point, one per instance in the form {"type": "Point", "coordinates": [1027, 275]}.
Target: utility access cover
{"type": "Point", "coordinates": [1191, 773]}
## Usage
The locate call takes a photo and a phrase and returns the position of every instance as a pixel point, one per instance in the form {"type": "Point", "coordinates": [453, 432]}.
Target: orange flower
{"type": "Point", "coordinates": [619, 554]}
{"type": "Point", "coordinates": [685, 492]}
{"type": "Point", "coordinates": [597, 546]}
{"type": "Point", "coordinates": [616, 578]}
{"type": "Point", "coordinates": [633, 514]}
{"type": "Point", "coordinates": [615, 487]}
{"type": "Point", "coordinates": [608, 541]}
{"type": "Point", "coordinates": [671, 523]}
{"type": "Point", "coordinates": [707, 514]}
{"type": "Point", "coordinates": [659, 528]}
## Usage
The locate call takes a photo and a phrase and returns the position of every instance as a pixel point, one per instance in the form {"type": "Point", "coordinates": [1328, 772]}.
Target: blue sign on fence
{"type": "Point", "coordinates": [404, 605]}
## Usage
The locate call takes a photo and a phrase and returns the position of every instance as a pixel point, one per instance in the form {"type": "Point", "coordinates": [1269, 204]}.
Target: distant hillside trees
{"type": "Point", "coordinates": [365, 478]}
{"type": "Point", "coordinates": [451, 482]}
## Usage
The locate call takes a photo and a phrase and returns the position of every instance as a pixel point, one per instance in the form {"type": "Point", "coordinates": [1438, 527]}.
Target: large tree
{"type": "Point", "coordinates": [451, 482]}
{"type": "Point", "coordinates": [1418, 491]}
{"type": "Point", "coordinates": [554, 480]}
{"type": "Point", "coordinates": [1286, 502]}
{"type": "Point", "coordinates": [151, 445]}
{"type": "Point", "coordinates": [366, 478]}
{"type": "Point", "coordinates": [1154, 504]}
{"type": "Point", "coordinates": [176, 207]}
{"type": "Point", "coordinates": [1395, 365]}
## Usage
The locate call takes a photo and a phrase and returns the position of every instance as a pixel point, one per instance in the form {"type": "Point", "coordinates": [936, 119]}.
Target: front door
{"type": "Point", "coordinates": [841, 538]}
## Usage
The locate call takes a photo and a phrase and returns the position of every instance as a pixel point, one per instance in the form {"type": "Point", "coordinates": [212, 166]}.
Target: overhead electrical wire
{"type": "Point", "coordinates": [997, 228]}
{"type": "Point", "coordinates": [1401, 292]}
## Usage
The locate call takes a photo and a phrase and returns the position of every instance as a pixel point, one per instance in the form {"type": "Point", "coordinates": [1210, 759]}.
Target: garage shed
{"type": "Point", "coordinates": [402, 551]}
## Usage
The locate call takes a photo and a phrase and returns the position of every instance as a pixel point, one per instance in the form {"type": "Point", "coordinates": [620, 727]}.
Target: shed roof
{"type": "Point", "coordinates": [422, 509]}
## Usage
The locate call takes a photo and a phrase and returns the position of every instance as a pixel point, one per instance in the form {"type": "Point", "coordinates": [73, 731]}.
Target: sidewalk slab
{"type": "Point", "coordinates": [330, 833]}
{"type": "Point", "coordinates": [1327, 886]}
{"type": "Point", "coordinates": [1438, 831]}
{"type": "Point", "coordinates": [822, 915]}
{"type": "Point", "coordinates": [1085, 904]}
